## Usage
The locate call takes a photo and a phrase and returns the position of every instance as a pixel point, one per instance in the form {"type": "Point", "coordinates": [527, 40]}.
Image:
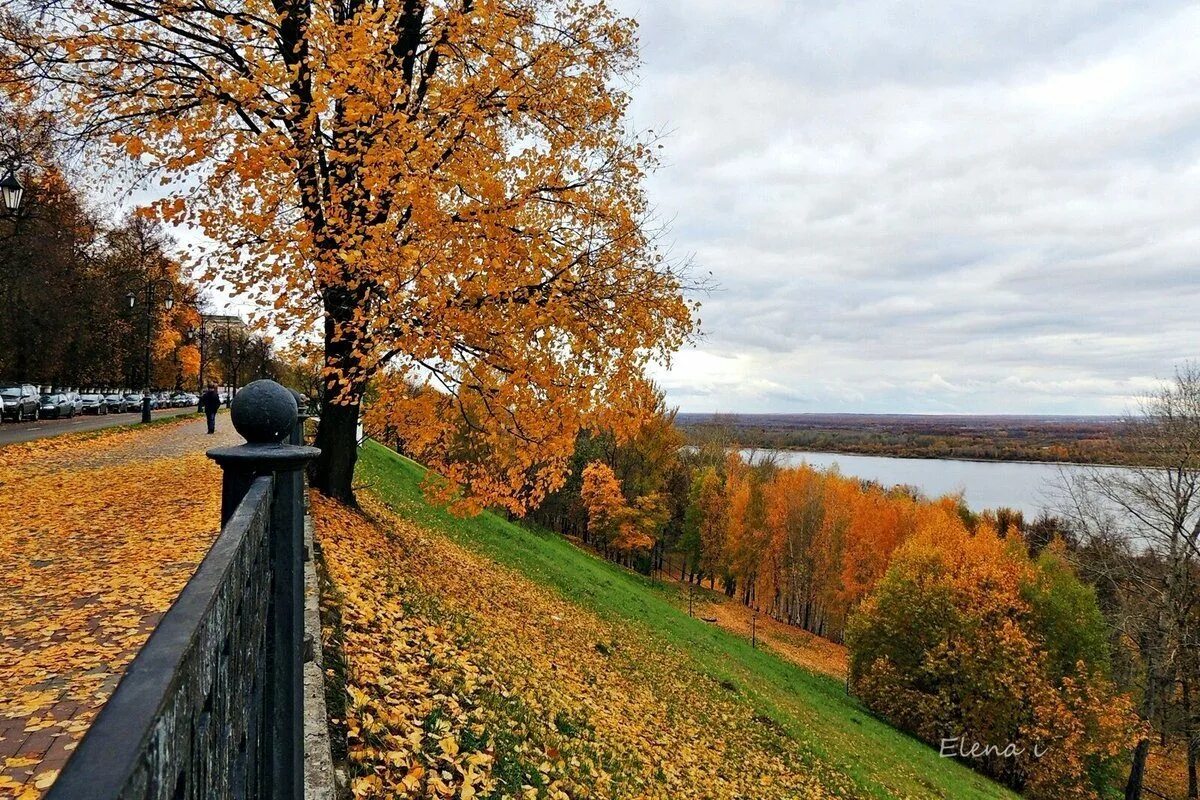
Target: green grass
{"type": "Point", "coordinates": [814, 709]}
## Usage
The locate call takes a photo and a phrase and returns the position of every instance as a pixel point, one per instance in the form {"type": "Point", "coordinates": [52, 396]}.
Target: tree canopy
{"type": "Point", "coordinates": [449, 189]}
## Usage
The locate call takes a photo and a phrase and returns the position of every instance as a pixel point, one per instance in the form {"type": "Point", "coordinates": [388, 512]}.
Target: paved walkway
{"type": "Point", "coordinates": [98, 534]}
{"type": "Point", "coordinates": [17, 432]}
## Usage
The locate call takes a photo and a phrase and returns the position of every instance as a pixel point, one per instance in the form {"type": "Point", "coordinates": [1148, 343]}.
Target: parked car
{"type": "Point", "coordinates": [93, 404]}
{"type": "Point", "coordinates": [133, 402]}
{"type": "Point", "coordinates": [20, 401]}
{"type": "Point", "coordinates": [76, 402]}
{"type": "Point", "coordinates": [115, 403]}
{"type": "Point", "coordinates": [56, 405]}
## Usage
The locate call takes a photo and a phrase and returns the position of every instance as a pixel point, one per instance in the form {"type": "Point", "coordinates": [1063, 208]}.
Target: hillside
{"type": "Point", "coordinates": [487, 660]}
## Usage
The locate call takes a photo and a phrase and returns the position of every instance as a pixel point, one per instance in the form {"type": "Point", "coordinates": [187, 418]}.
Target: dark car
{"type": "Point", "coordinates": [115, 403]}
{"type": "Point", "coordinates": [20, 401]}
{"type": "Point", "coordinates": [56, 406]}
{"type": "Point", "coordinates": [94, 404]}
{"type": "Point", "coordinates": [133, 402]}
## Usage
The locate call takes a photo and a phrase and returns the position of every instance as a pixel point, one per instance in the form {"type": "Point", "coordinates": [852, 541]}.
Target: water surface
{"type": "Point", "coordinates": [1024, 486]}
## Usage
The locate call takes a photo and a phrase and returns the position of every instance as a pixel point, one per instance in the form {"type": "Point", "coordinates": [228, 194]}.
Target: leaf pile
{"type": "Point", "coordinates": [467, 680]}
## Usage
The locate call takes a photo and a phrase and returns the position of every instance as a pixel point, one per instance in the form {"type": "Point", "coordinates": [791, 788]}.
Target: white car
{"type": "Point", "coordinates": [76, 400]}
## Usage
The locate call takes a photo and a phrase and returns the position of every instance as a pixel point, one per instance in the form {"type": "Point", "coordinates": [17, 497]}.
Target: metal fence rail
{"type": "Point", "coordinates": [189, 710]}
{"type": "Point", "coordinates": [211, 706]}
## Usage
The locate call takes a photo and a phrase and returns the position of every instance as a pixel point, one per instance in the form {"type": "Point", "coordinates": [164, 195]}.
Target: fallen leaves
{"type": "Point", "coordinates": [97, 537]}
{"type": "Point", "coordinates": [468, 680]}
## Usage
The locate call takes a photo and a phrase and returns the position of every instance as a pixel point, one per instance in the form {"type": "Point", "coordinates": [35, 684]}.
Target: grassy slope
{"type": "Point", "coordinates": [813, 708]}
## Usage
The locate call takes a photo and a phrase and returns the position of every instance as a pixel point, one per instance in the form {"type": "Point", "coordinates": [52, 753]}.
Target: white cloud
{"type": "Point", "coordinates": [920, 207]}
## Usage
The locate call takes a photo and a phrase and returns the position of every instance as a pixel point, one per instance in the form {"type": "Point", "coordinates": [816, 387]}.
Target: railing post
{"type": "Point", "coordinates": [297, 436]}
{"type": "Point", "coordinates": [265, 414]}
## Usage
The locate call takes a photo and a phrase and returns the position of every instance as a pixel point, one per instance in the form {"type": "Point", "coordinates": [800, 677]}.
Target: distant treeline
{"type": "Point", "coordinates": [1085, 440]}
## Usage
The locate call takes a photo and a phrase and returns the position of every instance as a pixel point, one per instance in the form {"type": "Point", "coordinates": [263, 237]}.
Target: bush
{"type": "Point", "coordinates": [994, 659]}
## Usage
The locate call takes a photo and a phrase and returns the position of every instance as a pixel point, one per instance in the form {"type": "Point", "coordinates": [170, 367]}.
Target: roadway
{"type": "Point", "coordinates": [16, 432]}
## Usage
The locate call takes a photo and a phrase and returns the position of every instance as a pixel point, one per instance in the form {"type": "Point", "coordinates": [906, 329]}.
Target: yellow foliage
{"type": "Point", "coordinates": [95, 543]}
{"type": "Point", "coordinates": [464, 677]}
{"type": "Point", "coordinates": [945, 648]}
{"type": "Point", "coordinates": [455, 193]}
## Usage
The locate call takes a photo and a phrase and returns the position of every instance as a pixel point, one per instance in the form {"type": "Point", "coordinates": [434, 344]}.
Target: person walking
{"type": "Point", "coordinates": [210, 402]}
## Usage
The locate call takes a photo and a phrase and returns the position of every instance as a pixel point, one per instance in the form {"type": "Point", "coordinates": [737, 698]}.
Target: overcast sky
{"type": "Point", "coordinates": [929, 207]}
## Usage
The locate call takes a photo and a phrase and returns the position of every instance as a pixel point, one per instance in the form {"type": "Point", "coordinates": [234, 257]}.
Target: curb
{"type": "Point", "coordinates": [318, 760]}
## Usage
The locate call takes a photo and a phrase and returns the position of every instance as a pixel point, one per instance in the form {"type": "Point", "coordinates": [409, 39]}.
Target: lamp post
{"type": "Point", "coordinates": [202, 335]}
{"type": "Point", "coordinates": [168, 303]}
{"type": "Point", "coordinates": [234, 356]}
{"type": "Point", "coordinates": [11, 192]}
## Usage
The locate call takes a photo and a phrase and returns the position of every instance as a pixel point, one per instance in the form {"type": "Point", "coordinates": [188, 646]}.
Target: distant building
{"type": "Point", "coordinates": [221, 322]}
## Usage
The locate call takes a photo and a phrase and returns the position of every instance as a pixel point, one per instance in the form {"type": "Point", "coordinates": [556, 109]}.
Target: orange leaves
{"type": "Point", "coordinates": [189, 362]}
{"type": "Point", "coordinates": [97, 535]}
{"type": "Point", "coordinates": [467, 680]}
{"type": "Point", "coordinates": [806, 546]}
{"type": "Point", "coordinates": [602, 496]}
{"type": "Point", "coordinates": [713, 522]}
{"type": "Point", "coordinates": [457, 194]}
{"type": "Point", "coordinates": [949, 646]}
{"type": "Point", "coordinates": [612, 520]}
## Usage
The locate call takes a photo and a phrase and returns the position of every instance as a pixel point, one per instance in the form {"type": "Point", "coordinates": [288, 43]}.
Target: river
{"type": "Point", "coordinates": [1025, 486]}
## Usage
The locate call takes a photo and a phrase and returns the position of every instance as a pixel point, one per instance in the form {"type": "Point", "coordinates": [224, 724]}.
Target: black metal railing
{"type": "Point", "coordinates": [211, 707]}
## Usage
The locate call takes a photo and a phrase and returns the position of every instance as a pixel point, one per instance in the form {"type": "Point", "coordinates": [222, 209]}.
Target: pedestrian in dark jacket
{"type": "Point", "coordinates": [210, 401]}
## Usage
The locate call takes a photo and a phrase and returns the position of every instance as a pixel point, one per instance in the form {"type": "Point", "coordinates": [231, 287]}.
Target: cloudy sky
{"type": "Point", "coordinates": [929, 207]}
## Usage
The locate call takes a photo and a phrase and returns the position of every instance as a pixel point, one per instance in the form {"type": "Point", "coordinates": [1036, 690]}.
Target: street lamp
{"type": "Point", "coordinates": [168, 304]}
{"type": "Point", "coordinates": [200, 335]}
{"type": "Point", "coordinates": [11, 192]}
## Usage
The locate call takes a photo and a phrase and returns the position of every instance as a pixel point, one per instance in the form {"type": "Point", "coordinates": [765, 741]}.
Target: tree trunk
{"type": "Point", "coordinates": [333, 470]}
{"type": "Point", "coordinates": [345, 382]}
{"type": "Point", "coordinates": [1193, 751]}
{"type": "Point", "coordinates": [1137, 772]}
{"type": "Point", "coordinates": [1189, 732]}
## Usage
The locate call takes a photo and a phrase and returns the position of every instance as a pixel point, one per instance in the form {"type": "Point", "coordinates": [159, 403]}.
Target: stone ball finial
{"type": "Point", "coordinates": [263, 412]}
{"type": "Point", "coordinates": [301, 404]}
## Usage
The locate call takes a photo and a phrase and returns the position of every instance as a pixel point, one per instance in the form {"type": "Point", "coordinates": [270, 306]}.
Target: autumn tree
{"type": "Point", "coordinates": [449, 189]}
{"type": "Point", "coordinates": [242, 355]}
{"type": "Point", "coordinates": [958, 644]}
{"type": "Point", "coordinates": [605, 503]}
{"type": "Point", "coordinates": [300, 366]}
{"type": "Point", "coordinates": [796, 511]}
{"type": "Point", "coordinates": [614, 522]}
{"type": "Point", "coordinates": [59, 255]}
{"type": "Point", "coordinates": [623, 479]}
{"type": "Point", "coordinates": [712, 524]}
{"type": "Point", "coordinates": [138, 253]}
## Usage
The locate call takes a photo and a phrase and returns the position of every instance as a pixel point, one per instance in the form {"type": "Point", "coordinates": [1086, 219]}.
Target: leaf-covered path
{"type": "Point", "coordinates": [98, 534]}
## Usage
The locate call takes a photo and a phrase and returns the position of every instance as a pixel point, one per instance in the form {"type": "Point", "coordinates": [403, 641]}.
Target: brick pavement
{"type": "Point", "coordinates": [97, 537]}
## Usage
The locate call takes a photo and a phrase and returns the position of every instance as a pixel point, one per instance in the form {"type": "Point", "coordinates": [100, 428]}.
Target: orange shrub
{"type": "Point", "coordinates": [948, 646]}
